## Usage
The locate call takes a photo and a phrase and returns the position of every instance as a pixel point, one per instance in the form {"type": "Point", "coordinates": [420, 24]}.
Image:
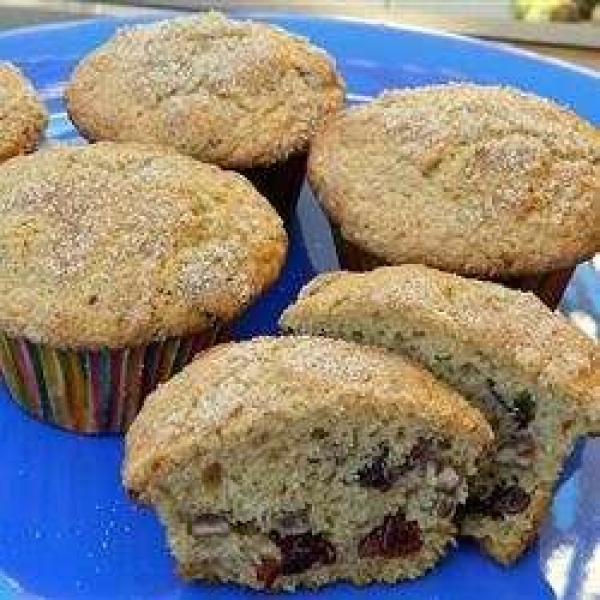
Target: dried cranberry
{"type": "Point", "coordinates": [422, 453]}
{"type": "Point", "coordinates": [300, 552]}
{"type": "Point", "coordinates": [504, 500]}
{"type": "Point", "coordinates": [377, 474]}
{"type": "Point", "coordinates": [396, 537]}
{"type": "Point", "coordinates": [511, 500]}
{"type": "Point", "coordinates": [268, 571]}
{"type": "Point", "coordinates": [523, 409]}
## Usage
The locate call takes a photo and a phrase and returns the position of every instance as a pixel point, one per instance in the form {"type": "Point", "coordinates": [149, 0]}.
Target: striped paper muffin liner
{"type": "Point", "coordinates": [548, 287]}
{"type": "Point", "coordinates": [92, 391]}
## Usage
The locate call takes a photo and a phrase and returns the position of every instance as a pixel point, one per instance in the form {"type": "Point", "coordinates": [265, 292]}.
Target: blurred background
{"type": "Point", "coordinates": [567, 29]}
{"type": "Point", "coordinates": [529, 10]}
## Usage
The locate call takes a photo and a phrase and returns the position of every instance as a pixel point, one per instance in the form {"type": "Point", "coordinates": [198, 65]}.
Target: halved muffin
{"type": "Point", "coordinates": [299, 461]}
{"type": "Point", "coordinates": [534, 376]}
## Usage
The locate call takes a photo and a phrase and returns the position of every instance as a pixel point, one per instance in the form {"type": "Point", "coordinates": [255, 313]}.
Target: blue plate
{"type": "Point", "coordinates": [68, 532]}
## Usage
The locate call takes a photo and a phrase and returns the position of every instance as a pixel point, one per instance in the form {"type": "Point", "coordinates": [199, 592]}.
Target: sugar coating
{"type": "Point", "coordinates": [116, 244]}
{"type": "Point", "coordinates": [514, 328]}
{"type": "Point", "coordinates": [531, 372]}
{"type": "Point", "coordinates": [478, 180]}
{"type": "Point", "coordinates": [236, 93]}
{"type": "Point", "coordinates": [234, 385]}
{"type": "Point", "coordinates": [23, 117]}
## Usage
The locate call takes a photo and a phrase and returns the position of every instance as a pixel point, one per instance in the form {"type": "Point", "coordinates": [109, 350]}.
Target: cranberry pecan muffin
{"type": "Point", "coordinates": [534, 376]}
{"type": "Point", "coordinates": [239, 94]}
{"type": "Point", "coordinates": [481, 181]}
{"type": "Point", "coordinates": [285, 462]}
{"type": "Point", "coordinates": [118, 262]}
{"type": "Point", "coordinates": [23, 117]}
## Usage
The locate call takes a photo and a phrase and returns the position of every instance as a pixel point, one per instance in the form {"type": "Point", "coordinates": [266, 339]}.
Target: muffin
{"type": "Point", "coordinates": [534, 376]}
{"type": "Point", "coordinates": [285, 462]}
{"type": "Point", "coordinates": [23, 117]}
{"type": "Point", "coordinates": [242, 95]}
{"type": "Point", "coordinates": [482, 181]}
{"type": "Point", "coordinates": [118, 263]}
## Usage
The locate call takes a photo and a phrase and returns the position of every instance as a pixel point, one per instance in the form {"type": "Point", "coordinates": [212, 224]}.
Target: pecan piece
{"type": "Point", "coordinates": [448, 479]}
{"type": "Point", "coordinates": [210, 524]}
{"type": "Point", "coordinates": [292, 523]}
{"type": "Point", "coordinates": [445, 507]}
{"type": "Point", "coordinates": [518, 450]}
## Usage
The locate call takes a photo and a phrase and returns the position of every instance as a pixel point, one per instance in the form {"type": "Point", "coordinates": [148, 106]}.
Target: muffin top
{"type": "Point", "coordinates": [119, 244]}
{"type": "Point", "coordinates": [237, 94]}
{"type": "Point", "coordinates": [477, 180]}
{"type": "Point", "coordinates": [504, 326]}
{"type": "Point", "coordinates": [231, 388]}
{"type": "Point", "coordinates": [23, 117]}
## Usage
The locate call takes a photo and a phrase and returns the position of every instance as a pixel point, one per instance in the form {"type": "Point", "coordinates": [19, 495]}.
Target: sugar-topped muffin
{"type": "Point", "coordinates": [239, 94]}
{"type": "Point", "coordinates": [117, 261]}
{"type": "Point", "coordinates": [478, 180]}
{"type": "Point", "coordinates": [23, 117]}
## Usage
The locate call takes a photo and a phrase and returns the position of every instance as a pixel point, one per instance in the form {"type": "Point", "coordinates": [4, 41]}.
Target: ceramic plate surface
{"type": "Point", "coordinates": [67, 530]}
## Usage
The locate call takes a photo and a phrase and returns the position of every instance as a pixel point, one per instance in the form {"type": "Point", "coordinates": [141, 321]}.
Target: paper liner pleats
{"type": "Point", "coordinates": [92, 391]}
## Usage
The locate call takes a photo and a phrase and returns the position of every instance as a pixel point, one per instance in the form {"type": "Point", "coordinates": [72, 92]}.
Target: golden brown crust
{"type": "Point", "coordinates": [510, 327]}
{"type": "Point", "coordinates": [508, 549]}
{"type": "Point", "coordinates": [228, 389]}
{"type": "Point", "coordinates": [119, 244]}
{"type": "Point", "coordinates": [237, 94]}
{"type": "Point", "coordinates": [471, 179]}
{"type": "Point", "coordinates": [23, 117]}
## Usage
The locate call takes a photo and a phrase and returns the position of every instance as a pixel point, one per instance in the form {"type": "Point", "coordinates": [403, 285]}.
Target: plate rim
{"type": "Point", "coordinates": [497, 46]}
